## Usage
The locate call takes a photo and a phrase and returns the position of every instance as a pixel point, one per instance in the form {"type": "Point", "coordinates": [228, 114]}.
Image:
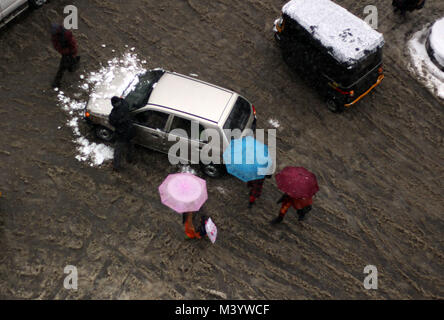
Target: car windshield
{"type": "Point", "coordinates": [141, 91]}
{"type": "Point", "coordinates": [239, 116]}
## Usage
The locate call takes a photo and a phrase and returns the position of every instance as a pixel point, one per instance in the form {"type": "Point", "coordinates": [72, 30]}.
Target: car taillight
{"type": "Point", "coordinates": [279, 25]}
{"type": "Point", "coordinates": [254, 110]}
{"type": "Point", "coordinates": [351, 93]}
{"type": "Point", "coordinates": [87, 114]}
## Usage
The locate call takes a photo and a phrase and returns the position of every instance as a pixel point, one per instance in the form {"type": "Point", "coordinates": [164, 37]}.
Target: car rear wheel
{"type": "Point", "coordinates": [334, 105]}
{"type": "Point", "coordinates": [213, 170]}
{"type": "Point", "coordinates": [36, 3]}
{"type": "Point", "coordinates": [104, 133]}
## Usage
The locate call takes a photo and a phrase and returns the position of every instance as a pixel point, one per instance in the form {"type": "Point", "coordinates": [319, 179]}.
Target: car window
{"type": "Point", "coordinates": [239, 116]}
{"type": "Point", "coordinates": [185, 124]}
{"type": "Point", "coordinates": [181, 123]}
{"type": "Point", "coordinates": [152, 119]}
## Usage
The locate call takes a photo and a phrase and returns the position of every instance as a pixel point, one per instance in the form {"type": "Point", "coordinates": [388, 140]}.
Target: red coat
{"type": "Point", "coordinates": [302, 203]}
{"type": "Point", "coordinates": [64, 42]}
{"type": "Point", "coordinates": [296, 203]}
{"type": "Point", "coordinates": [256, 187]}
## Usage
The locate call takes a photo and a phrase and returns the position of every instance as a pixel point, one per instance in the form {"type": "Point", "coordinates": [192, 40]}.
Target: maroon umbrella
{"type": "Point", "coordinates": [297, 182]}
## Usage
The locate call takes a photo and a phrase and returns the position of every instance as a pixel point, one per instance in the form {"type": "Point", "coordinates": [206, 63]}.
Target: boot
{"type": "Point", "coordinates": [75, 64]}
{"type": "Point", "coordinates": [277, 220]}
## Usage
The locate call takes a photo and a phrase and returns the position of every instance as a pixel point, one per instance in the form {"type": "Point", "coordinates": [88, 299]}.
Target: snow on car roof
{"type": "Point", "coordinates": [349, 36]}
{"type": "Point", "coordinates": [191, 96]}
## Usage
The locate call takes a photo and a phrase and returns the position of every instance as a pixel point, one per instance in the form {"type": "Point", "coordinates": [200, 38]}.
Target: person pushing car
{"type": "Point", "coordinates": [120, 118]}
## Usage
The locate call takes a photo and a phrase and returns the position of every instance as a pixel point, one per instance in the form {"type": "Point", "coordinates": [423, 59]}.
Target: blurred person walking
{"type": "Point", "coordinates": [65, 44]}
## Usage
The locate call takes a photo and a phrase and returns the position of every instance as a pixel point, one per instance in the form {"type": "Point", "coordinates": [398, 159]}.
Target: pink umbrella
{"type": "Point", "coordinates": [183, 192]}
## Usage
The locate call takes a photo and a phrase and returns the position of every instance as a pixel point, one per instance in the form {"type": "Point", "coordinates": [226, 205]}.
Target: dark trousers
{"type": "Point", "coordinates": [302, 212]}
{"type": "Point", "coordinates": [255, 189]}
{"type": "Point", "coordinates": [122, 148]}
{"type": "Point", "coordinates": [67, 62]}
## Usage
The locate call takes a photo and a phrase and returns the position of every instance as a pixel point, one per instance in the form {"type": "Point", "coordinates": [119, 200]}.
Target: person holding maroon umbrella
{"type": "Point", "coordinates": [299, 185]}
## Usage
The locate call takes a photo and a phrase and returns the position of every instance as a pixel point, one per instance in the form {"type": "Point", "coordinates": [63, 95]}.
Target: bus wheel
{"type": "Point", "coordinates": [334, 105]}
{"type": "Point", "coordinates": [36, 3]}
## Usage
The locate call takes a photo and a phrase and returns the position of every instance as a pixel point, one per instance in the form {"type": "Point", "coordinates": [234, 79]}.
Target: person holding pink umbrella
{"type": "Point", "coordinates": [185, 193]}
{"type": "Point", "coordinates": [190, 232]}
{"type": "Point", "coordinates": [299, 185]}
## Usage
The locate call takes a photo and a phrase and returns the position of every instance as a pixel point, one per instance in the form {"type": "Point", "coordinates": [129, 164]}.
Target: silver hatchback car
{"type": "Point", "coordinates": [9, 9]}
{"type": "Point", "coordinates": [162, 102]}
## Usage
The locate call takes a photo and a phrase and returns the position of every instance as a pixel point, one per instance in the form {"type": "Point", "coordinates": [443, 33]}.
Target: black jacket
{"type": "Point", "coordinates": [120, 118]}
{"type": "Point", "coordinates": [408, 5]}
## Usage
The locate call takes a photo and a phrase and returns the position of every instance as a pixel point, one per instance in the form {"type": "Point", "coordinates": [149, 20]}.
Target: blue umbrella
{"type": "Point", "coordinates": [245, 157]}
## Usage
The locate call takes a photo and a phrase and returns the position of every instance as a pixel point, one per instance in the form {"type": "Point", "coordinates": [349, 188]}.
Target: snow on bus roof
{"type": "Point", "coordinates": [349, 36]}
{"type": "Point", "coordinates": [437, 40]}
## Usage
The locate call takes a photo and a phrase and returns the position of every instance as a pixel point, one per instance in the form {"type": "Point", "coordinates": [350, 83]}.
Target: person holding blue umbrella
{"type": "Point", "coordinates": [256, 187]}
{"type": "Point", "coordinates": [248, 160]}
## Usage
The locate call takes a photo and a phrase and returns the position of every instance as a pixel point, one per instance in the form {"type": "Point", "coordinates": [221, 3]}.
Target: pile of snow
{"type": "Point", "coordinates": [93, 153]}
{"type": "Point", "coordinates": [275, 123]}
{"type": "Point", "coordinates": [96, 153]}
{"type": "Point", "coordinates": [221, 190]}
{"type": "Point", "coordinates": [348, 36]}
{"type": "Point", "coordinates": [115, 79]}
{"type": "Point", "coordinates": [437, 41]}
{"type": "Point", "coordinates": [423, 66]}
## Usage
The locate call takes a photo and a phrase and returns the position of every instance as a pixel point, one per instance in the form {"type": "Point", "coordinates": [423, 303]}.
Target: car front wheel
{"type": "Point", "coordinates": [213, 170]}
{"type": "Point", "coordinates": [104, 133]}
